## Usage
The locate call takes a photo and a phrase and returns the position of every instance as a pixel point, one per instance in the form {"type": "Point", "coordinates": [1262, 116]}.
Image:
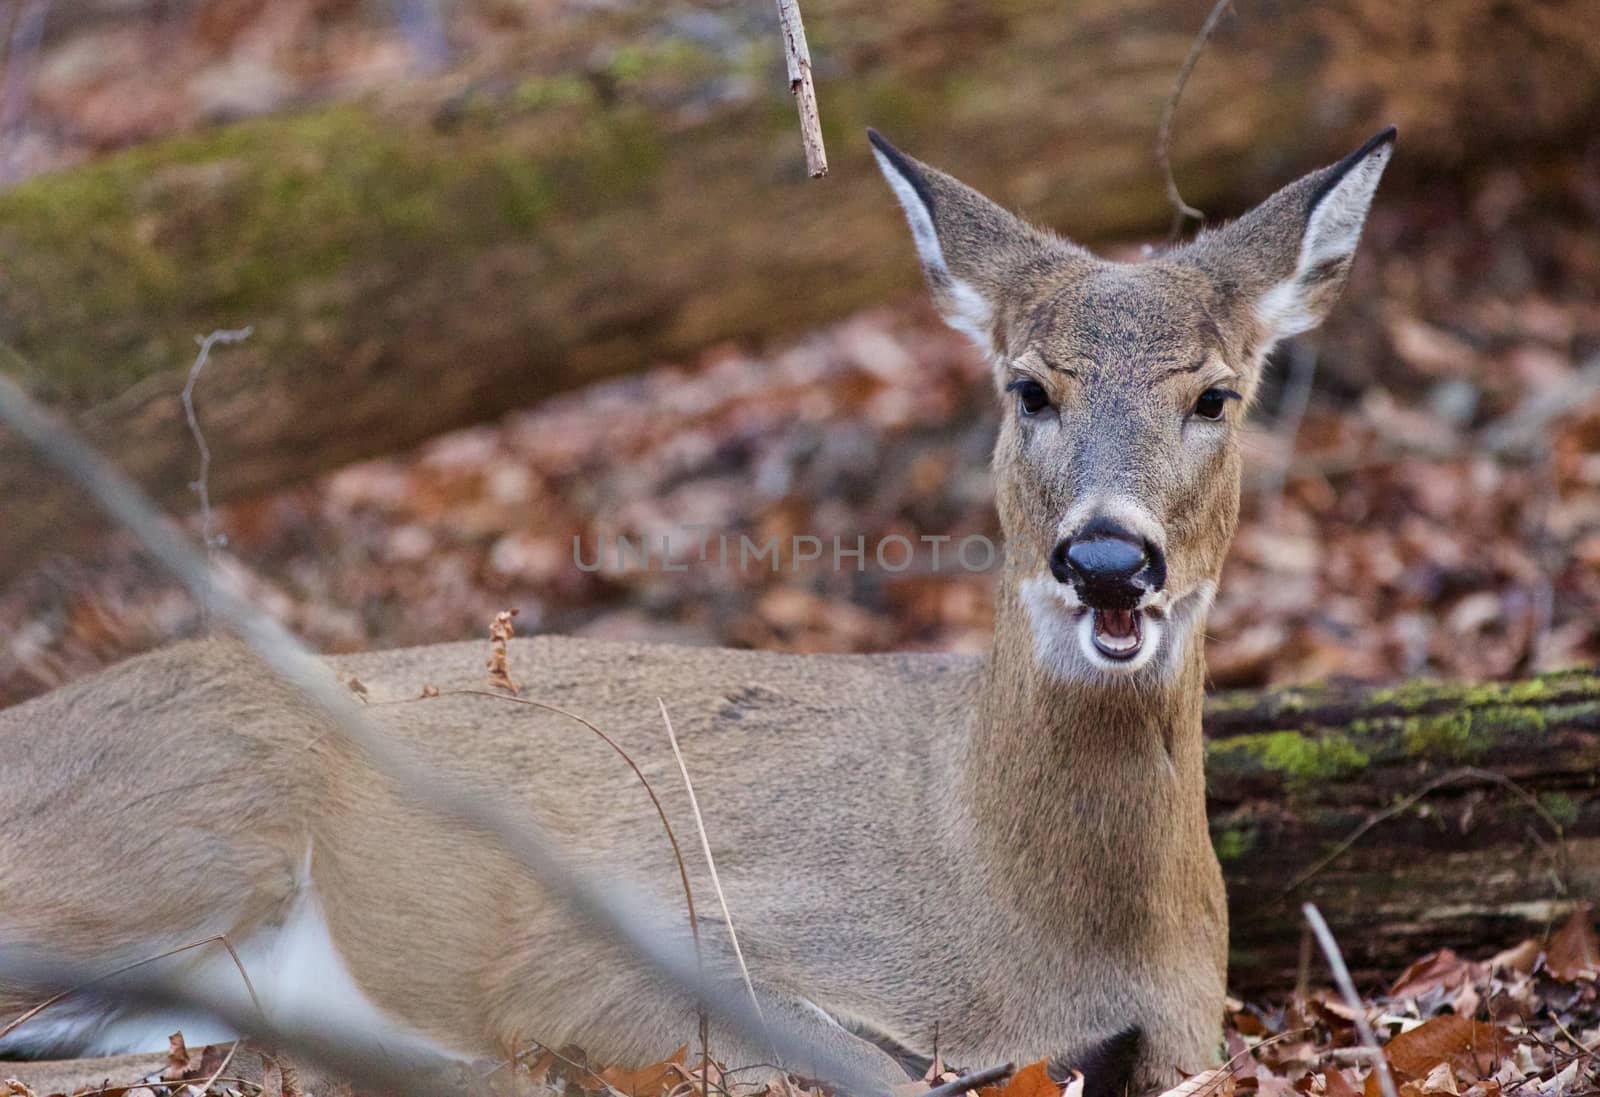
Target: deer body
{"type": "Point", "coordinates": [1013, 849]}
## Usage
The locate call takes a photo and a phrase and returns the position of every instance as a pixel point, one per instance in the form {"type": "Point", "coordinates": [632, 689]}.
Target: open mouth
{"type": "Point", "coordinates": [1118, 633]}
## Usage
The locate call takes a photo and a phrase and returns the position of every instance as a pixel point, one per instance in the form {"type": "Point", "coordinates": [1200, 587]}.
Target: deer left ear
{"type": "Point", "coordinates": [972, 251]}
{"type": "Point", "coordinates": [1292, 253]}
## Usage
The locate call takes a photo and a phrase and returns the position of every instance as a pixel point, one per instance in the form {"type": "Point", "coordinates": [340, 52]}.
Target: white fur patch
{"type": "Point", "coordinates": [1332, 232]}
{"type": "Point", "coordinates": [964, 308]}
{"type": "Point", "coordinates": [1063, 632]}
{"type": "Point", "coordinates": [299, 977]}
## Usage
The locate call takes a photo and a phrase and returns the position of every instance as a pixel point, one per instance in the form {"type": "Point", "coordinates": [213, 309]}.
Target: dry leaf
{"type": "Point", "coordinates": [1032, 1080]}
{"type": "Point", "coordinates": [1519, 958]}
{"type": "Point", "coordinates": [1441, 1079]}
{"type": "Point", "coordinates": [1438, 969]}
{"type": "Point", "coordinates": [647, 1081]}
{"type": "Point", "coordinates": [501, 632]}
{"type": "Point", "coordinates": [1470, 1044]}
{"type": "Point", "coordinates": [1217, 1082]}
{"type": "Point", "coordinates": [1335, 1084]}
{"type": "Point", "coordinates": [177, 1058]}
{"type": "Point", "coordinates": [1574, 953]}
{"type": "Point", "coordinates": [1565, 1082]}
{"type": "Point", "coordinates": [15, 1086]}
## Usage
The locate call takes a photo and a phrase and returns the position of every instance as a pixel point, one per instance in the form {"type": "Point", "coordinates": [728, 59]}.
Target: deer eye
{"type": "Point", "coordinates": [1031, 396]}
{"type": "Point", "coordinates": [1212, 402]}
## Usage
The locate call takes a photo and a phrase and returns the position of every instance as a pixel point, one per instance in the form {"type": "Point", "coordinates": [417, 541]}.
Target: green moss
{"type": "Point", "coordinates": [113, 267]}
{"type": "Point", "coordinates": [1301, 758]}
{"type": "Point", "coordinates": [1234, 843]}
{"type": "Point", "coordinates": [1562, 808]}
{"type": "Point", "coordinates": [547, 92]}
{"type": "Point", "coordinates": [1446, 735]}
{"type": "Point", "coordinates": [1510, 720]}
{"type": "Point", "coordinates": [1570, 713]}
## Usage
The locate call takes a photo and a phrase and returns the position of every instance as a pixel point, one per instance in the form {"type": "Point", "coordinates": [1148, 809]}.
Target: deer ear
{"type": "Point", "coordinates": [1293, 252]}
{"type": "Point", "coordinates": [971, 250]}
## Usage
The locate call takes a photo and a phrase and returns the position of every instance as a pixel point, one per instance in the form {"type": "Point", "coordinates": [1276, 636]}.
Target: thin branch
{"type": "Point", "coordinates": [1455, 776]}
{"type": "Point", "coordinates": [21, 65]}
{"type": "Point", "coordinates": [661, 812]}
{"type": "Point", "coordinates": [711, 866]}
{"type": "Point", "coordinates": [201, 484]}
{"type": "Point", "coordinates": [1291, 413]}
{"type": "Point", "coordinates": [1181, 209]}
{"type": "Point", "coordinates": [1347, 988]}
{"type": "Point", "coordinates": [616, 912]}
{"type": "Point", "coordinates": [976, 1080]}
{"type": "Point", "coordinates": [797, 55]}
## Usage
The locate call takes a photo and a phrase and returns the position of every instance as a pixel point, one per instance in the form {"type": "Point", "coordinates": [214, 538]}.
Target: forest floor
{"type": "Point", "coordinates": [1523, 1022]}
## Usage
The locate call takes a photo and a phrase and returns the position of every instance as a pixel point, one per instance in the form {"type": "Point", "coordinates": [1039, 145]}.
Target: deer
{"type": "Point", "coordinates": [996, 858]}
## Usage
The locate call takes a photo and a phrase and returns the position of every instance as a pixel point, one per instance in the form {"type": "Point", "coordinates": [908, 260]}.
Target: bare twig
{"type": "Point", "coordinates": [1347, 988]}
{"type": "Point", "coordinates": [21, 62]}
{"type": "Point", "coordinates": [711, 867]}
{"type": "Point", "coordinates": [1291, 413]}
{"type": "Point", "coordinates": [1181, 209]}
{"type": "Point", "coordinates": [969, 1082]}
{"type": "Point", "coordinates": [616, 912]}
{"type": "Point", "coordinates": [18, 1022]}
{"type": "Point", "coordinates": [1453, 777]}
{"type": "Point", "coordinates": [661, 812]}
{"type": "Point", "coordinates": [201, 485]}
{"type": "Point", "coordinates": [798, 57]}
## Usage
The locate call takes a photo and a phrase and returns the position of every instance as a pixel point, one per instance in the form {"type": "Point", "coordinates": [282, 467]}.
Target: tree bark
{"type": "Point", "coordinates": [630, 193]}
{"type": "Point", "coordinates": [1503, 839]}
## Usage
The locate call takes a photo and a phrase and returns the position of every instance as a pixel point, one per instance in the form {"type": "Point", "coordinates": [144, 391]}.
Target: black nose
{"type": "Point", "coordinates": [1108, 566]}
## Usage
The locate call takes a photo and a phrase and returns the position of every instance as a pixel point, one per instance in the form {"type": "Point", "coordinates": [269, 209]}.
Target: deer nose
{"type": "Point", "coordinates": [1109, 567]}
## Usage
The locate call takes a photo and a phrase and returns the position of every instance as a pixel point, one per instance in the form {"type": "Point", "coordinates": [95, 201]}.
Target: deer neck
{"type": "Point", "coordinates": [1095, 789]}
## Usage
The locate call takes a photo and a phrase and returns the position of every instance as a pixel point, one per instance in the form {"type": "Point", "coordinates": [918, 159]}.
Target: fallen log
{"type": "Point", "coordinates": [629, 192]}
{"type": "Point", "coordinates": [1419, 816]}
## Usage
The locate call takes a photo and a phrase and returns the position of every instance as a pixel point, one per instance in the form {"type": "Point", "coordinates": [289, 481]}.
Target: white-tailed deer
{"type": "Point", "coordinates": [1011, 851]}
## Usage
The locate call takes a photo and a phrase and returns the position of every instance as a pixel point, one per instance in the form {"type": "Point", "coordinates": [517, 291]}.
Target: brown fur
{"type": "Point", "coordinates": [908, 841]}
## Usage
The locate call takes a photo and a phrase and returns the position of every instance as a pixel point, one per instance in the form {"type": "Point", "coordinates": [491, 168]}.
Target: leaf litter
{"type": "Point", "coordinates": [1524, 1022]}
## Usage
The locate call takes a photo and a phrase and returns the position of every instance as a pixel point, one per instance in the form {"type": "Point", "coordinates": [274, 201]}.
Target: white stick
{"type": "Point", "coordinates": [711, 865]}
{"type": "Point", "coordinates": [1347, 987]}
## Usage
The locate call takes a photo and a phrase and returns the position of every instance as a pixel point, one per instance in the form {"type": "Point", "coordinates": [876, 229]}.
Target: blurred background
{"type": "Point", "coordinates": [524, 271]}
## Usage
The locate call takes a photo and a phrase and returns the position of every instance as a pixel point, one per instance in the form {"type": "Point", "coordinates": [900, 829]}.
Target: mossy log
{"type": "Point", "coordinates": [1474, 809]}
{"type": "Point", "coordinates": [633, 192]}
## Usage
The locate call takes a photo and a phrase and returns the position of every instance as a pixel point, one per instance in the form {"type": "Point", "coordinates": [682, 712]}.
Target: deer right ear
{"type": "Point", "coordinates": [969, 247]}
{"type": "Point", "coordinates": [1292, 253]}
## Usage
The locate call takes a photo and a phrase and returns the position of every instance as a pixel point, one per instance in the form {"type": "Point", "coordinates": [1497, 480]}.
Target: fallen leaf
{"type": "Point", "coordinates": [177, 1058]}
{"type": "Point", "coordinates": [15, 1086]}
{"type": "Point", "coordinates": [1217, 1082]}
{"type": "Point", "coordinates": [1032, 1080]}
{"type": "Point", "coordinates": [1519, 958]}
{"type": "Point", "coordinates": [1438, 969]}
{"type": "Point", "coordinates": [1335, 1084]}
{"type": "Point", "coordinates": [1574, 952]}
{"type": "Point", "coordinates": [1460, 1041]}
{"type": "Point", "coordinates": [648, 1081]}
{"type": "Point", "coordinates": [1441, 1079]}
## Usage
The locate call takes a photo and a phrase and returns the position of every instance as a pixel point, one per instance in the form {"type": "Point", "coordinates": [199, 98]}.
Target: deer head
{"type": "Point", "coordinates": [1125, 386]}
